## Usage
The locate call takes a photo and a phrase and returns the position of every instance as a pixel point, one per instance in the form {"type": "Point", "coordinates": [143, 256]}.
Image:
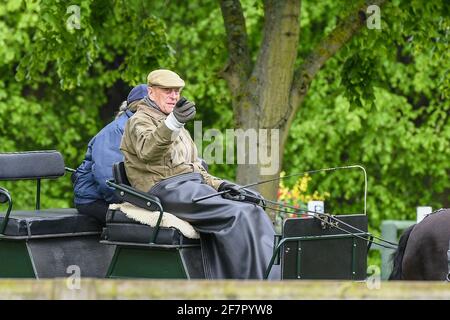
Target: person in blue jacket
{"type": "Point", "coordinates": [92, 195]}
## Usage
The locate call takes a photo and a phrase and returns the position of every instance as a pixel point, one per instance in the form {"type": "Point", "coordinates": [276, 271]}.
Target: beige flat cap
{"type": "Point", "coordinates": [165, 79]}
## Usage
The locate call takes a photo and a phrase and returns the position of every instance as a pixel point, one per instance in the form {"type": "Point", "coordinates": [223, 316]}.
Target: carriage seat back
{"type": "Point", "coordinates": [31, 165]}
{"type": "Point", "coordinates": [126, 193]}
{"type": "Point", "coordinates": [119, 174]}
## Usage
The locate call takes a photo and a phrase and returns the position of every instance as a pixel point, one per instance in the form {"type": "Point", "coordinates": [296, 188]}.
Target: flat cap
{"type": "Point", "coordinates": [165, 79]}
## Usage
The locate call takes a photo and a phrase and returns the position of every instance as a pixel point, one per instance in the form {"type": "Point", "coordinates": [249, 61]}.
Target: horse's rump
{"type": "Point", "coordinates": [425, 255]}
{"type": "Point", "coordinates": [397, 257]}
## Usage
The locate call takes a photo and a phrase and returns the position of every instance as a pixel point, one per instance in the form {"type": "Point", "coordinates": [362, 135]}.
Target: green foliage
{"type": "Point", "coordinates": [83, 43]}
{"type": "Point", "coordinates": [381, 102]}
{"type": "Point", "coordinates": [53, 78]}
{"type": "Point", "coordinates": [359, 75]}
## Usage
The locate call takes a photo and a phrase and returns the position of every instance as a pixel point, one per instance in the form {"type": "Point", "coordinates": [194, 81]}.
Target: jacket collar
{"type": "Point", "coordinates": [151, 111]}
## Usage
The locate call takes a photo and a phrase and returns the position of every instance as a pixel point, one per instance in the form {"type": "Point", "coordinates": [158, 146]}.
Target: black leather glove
{"type": "Point", "coordinates": [184, 110]}
{"type": "Point", "coordinates": [255, 197]}
{"type": "Point", "coordinates": [234, 194]}
{"type": "Point", "coordinates": [238, 193]}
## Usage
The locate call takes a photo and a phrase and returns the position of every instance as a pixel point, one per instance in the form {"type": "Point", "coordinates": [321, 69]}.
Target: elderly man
{"type": "Point", "coordinates": [161, 158]}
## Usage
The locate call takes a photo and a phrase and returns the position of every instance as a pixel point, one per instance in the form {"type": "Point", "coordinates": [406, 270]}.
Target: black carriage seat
{"type": "Point", "coordinates": [120, 228]}
{"type": "Point", "coordinates": [49, 222]}
{"type": "Point", "coordinates": [37, 165]}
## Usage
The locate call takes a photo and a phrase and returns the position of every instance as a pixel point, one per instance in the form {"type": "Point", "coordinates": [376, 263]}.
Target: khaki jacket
{"type": "Point", "coordinates": [153, 152]}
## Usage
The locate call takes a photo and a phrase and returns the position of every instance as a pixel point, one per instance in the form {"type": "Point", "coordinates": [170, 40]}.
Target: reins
{"type": "Point", "coordinates": [319, 215]}
{"type": "Point", "coordinates": [315, 214]}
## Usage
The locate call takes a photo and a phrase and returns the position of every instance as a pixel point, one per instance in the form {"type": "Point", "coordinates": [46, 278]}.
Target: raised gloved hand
{"type": "Point", "coordinates": [184, 110]}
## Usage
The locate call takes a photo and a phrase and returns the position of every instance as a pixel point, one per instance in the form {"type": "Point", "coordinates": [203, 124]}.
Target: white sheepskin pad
{"type": "Point", "coordinates": [151, 217]}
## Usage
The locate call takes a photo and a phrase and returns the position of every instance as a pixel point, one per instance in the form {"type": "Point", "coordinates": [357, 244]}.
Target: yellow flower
{"type": "Point", "coordinates": [298, 195]}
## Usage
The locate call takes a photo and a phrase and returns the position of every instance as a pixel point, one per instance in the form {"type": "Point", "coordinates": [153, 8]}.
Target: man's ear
{"type": "Point", "coordinates": [150, 92]}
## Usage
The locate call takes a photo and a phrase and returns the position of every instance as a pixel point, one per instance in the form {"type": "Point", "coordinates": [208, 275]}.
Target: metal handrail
{"type": "Point", "coordinates": [10, 204]}
{"type": "Point", "coordinates": [150, 200]}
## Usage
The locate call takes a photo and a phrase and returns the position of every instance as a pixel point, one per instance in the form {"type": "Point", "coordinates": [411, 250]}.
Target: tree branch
{"type": "Point", "coordinates": [238, 67]}
{"type": "Point", "coordinates": [326, 49]}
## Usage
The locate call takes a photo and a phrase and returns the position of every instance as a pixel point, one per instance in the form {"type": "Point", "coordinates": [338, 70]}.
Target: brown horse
{"type": "Point", "coordinates": [422, 249]}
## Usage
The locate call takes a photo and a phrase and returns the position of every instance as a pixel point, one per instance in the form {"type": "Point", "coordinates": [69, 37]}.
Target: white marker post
{"type": "Point", "coordinates": [422, 212]}
{"type": "Point", "coordinates": [316, 206]}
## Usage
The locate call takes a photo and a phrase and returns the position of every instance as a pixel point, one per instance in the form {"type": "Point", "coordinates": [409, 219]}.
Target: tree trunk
{"type": "Point", "coordinates": [268, 95]}
{"type": "Point", "coordinates": [265, 98]}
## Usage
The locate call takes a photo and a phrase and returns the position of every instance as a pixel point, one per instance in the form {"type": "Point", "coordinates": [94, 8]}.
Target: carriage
{"type": "Point", "coordinates": [49, 243]}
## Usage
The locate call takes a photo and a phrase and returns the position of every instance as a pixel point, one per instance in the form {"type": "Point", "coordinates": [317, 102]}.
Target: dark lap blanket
{"type": "Point", "coordinates": [236, 237]}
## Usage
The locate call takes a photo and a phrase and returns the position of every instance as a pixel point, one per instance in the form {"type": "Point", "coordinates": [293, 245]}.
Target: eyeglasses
{"type": "Point", "coordinates": [170, 90]}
